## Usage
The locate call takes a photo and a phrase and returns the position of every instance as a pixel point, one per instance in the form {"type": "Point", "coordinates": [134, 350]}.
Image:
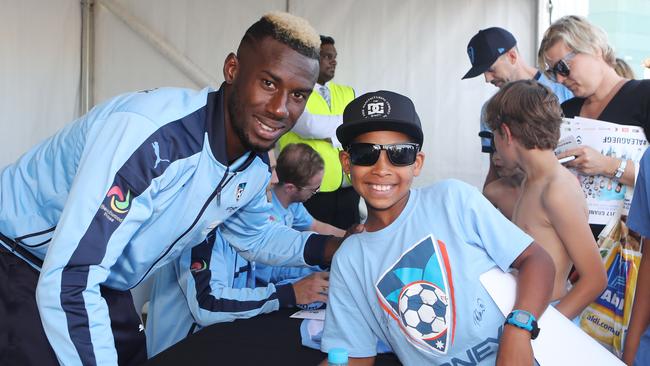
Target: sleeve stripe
{"type": "Point", "coordinates": [173, 141]}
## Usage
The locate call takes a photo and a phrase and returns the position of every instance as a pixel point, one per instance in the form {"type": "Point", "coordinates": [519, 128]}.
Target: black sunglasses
{"type": "Point", "coordinates": [365, 154]}
{"type": "Point", "coordinates": [561, 67]}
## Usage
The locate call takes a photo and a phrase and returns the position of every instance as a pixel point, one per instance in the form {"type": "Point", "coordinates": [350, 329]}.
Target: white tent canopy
{"type": "Point", "coordinates": [415, 47]}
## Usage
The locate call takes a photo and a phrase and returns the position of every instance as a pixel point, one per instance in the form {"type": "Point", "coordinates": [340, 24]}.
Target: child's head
{"type": "Point", "coordinates": [382, 137]}
{"type": "Point", "coordinates": [300, 171]}
{"type": "Point", "coordinates": [524, 112]}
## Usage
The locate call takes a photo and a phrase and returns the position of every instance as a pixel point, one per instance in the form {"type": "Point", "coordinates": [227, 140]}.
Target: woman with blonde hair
{"type": "Point", "coordinates": [576, 53]}
{"type": "Point", "coordinates": [623, 69]}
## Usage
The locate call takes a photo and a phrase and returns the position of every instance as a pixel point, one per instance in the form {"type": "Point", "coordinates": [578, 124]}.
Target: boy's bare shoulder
{"type": "Point", "coordinates": [563, 191]}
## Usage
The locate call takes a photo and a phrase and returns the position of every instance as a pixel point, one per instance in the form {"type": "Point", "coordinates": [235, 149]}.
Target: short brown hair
{"type": "Point", "coordinates": [530, 110]}
{"type": "Point", "coordinates": [297, 164]}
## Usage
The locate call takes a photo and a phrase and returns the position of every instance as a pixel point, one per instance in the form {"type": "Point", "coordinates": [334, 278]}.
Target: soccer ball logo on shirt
{"type": "Point", "coordinates": [423, 308]}
{"type": "Point", "coordinates": [417, 292]}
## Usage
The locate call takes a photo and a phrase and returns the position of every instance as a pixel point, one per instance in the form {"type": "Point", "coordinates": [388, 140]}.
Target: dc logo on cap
{"type": "Point", "coordinates": [375, 106]}
{"type": "Point", "coordinates": [470, 53]}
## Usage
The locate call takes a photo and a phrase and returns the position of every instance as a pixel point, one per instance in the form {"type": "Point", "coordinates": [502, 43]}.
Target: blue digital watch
{"type": "Point", "coordinates": [524, 320]}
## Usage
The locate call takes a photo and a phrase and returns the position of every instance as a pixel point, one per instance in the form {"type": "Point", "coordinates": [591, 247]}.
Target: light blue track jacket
{"type": "Point", "coordinates": [122, 191]}
{"type": "Point", "coordinates": [210, 283]}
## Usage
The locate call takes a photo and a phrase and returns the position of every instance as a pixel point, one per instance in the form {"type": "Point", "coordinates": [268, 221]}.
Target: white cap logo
{"type": "Point", "coordinates": [375, 106]}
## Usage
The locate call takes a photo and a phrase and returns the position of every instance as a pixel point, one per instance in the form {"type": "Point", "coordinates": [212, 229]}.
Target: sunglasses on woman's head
{"type": "Point", "coordinates": [561, 67]}
{"type": "Point", "coordinates": [365, 154]}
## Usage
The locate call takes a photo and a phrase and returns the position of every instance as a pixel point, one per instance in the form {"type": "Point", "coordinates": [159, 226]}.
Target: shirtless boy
{"type": "Point", "coordinates": [525, 117]}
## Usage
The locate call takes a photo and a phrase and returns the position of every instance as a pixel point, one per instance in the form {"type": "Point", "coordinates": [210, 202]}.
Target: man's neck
{"type": "Point", "coordinates": [234, 147]}
{"type": "Point", "coordinates": [322, 81]}
{"type": "Point", "coordinates": [282, 195]}
{"type": "Point", "coordinates": [525, 72]}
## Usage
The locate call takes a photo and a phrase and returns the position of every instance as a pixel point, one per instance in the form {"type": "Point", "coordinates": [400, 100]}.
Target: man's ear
{"type": "Point", "coordinates": [230, 68]}
{"type": "Point", "coordinates": [344, 157]}
{"type": "Point", "coordinates": [290, 187]}
{"type": "Point", "coordinates": [512, 56]}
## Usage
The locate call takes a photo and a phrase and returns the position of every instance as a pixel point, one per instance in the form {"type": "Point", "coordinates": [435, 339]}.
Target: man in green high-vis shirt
{"type": "Point", "coordinates": [337, 203]}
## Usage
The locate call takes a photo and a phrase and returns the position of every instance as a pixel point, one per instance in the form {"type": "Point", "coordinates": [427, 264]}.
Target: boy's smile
{"type": "Point", "coordinates": [384, 186]}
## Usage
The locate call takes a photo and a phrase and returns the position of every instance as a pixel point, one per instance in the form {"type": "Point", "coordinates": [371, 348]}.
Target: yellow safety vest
{"type": "Point", "coordinates": [340, 96]}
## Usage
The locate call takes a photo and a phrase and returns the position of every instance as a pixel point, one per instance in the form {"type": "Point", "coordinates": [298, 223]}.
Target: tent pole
{"type": "Point", "coordinates": [87, 53]}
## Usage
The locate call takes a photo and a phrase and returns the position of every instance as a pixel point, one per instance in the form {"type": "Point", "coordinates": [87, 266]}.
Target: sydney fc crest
{"type": "Point", "coordinates": [240, 191]}
{"type": "Point", "coordinates": [417, 292]}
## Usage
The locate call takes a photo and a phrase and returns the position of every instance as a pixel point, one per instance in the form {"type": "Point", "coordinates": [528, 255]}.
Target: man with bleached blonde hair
{"type": "Point", "coordinates": [91, 212]}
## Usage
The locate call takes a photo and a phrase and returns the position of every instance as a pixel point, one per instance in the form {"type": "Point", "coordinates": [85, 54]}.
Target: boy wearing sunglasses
{"type": "Point", "coordinates": [411, 279]}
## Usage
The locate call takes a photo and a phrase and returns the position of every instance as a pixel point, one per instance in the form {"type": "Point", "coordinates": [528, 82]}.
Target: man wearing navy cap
{"type": "Point", "coordinates": [493, 52]}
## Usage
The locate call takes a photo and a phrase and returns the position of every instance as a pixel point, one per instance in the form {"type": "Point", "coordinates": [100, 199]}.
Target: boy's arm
{"type": "Point", "coordinates": [640, 311]}
{"type": "Point", "coordinates": [326, 229]}
{"type": "Point", "coordinates": [534, 289]}
{"type": "Point", "coordinates": [567, 213]}
{"type": "Point", "coordinates": [346, 325]}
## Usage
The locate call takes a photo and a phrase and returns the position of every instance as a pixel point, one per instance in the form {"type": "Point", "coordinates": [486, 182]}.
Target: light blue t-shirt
{"type": "Point", "coordinates": [294, 216]}
{"type": "Point", "coordinates": [415, 284]}
{"type": "Point", "coordinates": [560, 90]}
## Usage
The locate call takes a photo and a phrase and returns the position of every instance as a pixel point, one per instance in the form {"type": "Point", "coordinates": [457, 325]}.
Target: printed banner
{"type": "Point", "coordinates": [603, 194]}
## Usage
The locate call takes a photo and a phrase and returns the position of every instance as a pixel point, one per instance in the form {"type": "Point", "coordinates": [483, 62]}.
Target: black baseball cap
{"type": "Point", "coordinates": [380, 111]}
{"type": "Point", "coordinates": [485, 47]}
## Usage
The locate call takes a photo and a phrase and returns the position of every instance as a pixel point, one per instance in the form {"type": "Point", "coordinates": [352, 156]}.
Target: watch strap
{"type": "Point", "coordinates": [621, 169]}
{"type": "Point", "coordinates": [530, 326]}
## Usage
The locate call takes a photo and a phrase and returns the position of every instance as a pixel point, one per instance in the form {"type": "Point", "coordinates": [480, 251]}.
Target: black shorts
{"type": "Point", "coordinates": [22, 338]}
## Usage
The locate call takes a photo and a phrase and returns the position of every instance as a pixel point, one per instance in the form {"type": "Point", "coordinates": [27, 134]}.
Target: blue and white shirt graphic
{"type": "Point", "coordinates": [417, 293]}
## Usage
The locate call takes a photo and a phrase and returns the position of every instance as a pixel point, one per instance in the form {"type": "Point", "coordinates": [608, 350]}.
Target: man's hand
{"type": "Point", "coordinates": [312, 288]}
{"type": "Point", "coordinates": [515, 348]}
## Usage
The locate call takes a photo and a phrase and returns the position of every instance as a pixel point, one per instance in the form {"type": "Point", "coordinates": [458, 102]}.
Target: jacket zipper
{"type": "Point", "coordinates": [217, 192]}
